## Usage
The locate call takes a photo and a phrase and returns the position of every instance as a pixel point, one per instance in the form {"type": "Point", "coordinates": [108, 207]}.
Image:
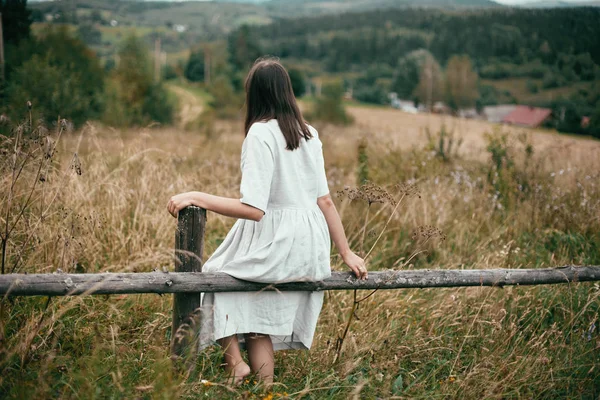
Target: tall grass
{"type": "Point", "coordinates": [516, 342]}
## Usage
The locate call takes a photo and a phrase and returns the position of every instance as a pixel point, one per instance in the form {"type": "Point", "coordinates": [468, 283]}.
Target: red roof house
{"type": "Point", "coordinates": [527, 116]}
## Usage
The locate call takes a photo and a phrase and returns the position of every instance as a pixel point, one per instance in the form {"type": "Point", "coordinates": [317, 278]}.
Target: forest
{"type": "Point", "coordinates": [551, 48]}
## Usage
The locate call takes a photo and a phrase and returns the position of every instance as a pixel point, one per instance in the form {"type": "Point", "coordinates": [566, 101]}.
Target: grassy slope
{"type": "Point", "coordinates": [466, 342]}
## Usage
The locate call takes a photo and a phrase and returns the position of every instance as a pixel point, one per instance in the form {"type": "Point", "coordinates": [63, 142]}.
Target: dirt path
{"type": "Point", "coordinates": [190, 106]}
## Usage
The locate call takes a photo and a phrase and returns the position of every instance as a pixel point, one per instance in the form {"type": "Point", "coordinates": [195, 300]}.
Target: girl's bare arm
{"type": "Point", "coordinates": [336, 231]}
{"type": "Point", "coordinates": [227, 206]}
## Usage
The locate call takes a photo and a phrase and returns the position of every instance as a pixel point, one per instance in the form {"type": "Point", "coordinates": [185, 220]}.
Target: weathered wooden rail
{"type": "Point", "coordinates": [187, 282]}
{"type": "Point", "coordinates": [195, 282]}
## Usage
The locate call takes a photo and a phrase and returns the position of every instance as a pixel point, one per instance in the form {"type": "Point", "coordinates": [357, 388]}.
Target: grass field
{"type": "Point", "coordinates": [518, 88]}
{"type": "Point", "coordinates": [512, 199]}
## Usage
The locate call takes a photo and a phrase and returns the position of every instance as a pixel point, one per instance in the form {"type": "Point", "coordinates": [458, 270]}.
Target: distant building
{"type": "Point", "coordinates": [496, 114]}
{"type": "Point", "coordinates": [404, 105]}
{"type": "Point", "coordinates": [180, 28]}
{"type": "Point", "coordinates": [530, 117]}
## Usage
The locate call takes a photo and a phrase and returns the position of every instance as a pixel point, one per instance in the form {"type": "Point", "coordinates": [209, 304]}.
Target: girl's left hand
{"type": "Point", "coordinates": [178, 203]}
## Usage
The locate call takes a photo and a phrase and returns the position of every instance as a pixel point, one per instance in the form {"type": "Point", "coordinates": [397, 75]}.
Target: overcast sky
{"type": "Point", "coordinates": [528, 1]}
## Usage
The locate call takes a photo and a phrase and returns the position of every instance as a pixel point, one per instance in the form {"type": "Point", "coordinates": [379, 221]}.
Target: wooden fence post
{"type": "Point", "coordinates": [189, 247]}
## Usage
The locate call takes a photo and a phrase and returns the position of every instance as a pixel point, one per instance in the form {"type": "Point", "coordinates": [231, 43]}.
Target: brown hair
{"type": "Point", "coordinates": [269, 95]}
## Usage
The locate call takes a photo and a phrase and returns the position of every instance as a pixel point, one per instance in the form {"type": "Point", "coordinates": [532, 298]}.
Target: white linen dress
{"type": "Point", "coordinates": [290, 243]}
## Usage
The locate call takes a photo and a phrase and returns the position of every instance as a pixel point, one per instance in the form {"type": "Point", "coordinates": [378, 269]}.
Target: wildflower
{"type": "Point", "coordinates": [206, 383]}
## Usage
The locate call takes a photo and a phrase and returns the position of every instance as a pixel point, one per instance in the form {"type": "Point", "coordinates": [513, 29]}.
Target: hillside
{"type": "Point", "coordinates": [317, 7]}
{"type": "Point", "coordinates": [192, 21]}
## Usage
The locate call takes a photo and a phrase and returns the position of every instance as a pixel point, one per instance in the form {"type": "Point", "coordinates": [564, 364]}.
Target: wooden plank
{"type": "Point", "coordinates": [194, 282]}
{"type": "Point", "coordinates": [189, 246]}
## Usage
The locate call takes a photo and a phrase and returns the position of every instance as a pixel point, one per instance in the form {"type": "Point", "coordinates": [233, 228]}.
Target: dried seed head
{"type": "Point", "coordinates": [48, 147]}
{"type": "Point", "coordinates": [29, 105]}
{"type": "Point", "coordinates": [76, 164]}
{"type": "Point", "coordinates": [408, 189]}
{"type": "Point", "coordinates": [428, 232]}
{"type": "Point", "coordinates": [369, 192]}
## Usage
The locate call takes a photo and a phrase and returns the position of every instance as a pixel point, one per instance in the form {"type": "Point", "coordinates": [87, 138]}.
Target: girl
{"type": "Point", "coordinates": [286, 219]}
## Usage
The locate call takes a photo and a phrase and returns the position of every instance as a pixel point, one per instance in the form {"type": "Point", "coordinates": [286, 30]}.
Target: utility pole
{"type": "Point", "coordinates": [1, 52]}
{"type": "Point", "coordinates": [157, 57]}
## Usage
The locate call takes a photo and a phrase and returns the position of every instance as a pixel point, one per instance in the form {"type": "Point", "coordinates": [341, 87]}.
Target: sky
{"type": "Point", "coordinates": [529, 1]}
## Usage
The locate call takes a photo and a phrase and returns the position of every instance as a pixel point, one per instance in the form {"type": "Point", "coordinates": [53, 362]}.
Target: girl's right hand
{"type": "Point", "coordinates": [356, 264]}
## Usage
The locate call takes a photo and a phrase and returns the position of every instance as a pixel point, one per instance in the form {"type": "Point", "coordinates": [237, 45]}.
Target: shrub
{"type": "Point", "coordinates": [62, 78]}
{"type": "Point", "coordinates": [374, 94]}
{"type": "Point", "coordinates": [194, 69]}
{"type": "Point", "coordinates": [329, 106]}
{"type": "Point", "coordinates": [134, 99]}
{"type": "Point", "coordinates": [225, 101]}
{"type": "Point", "coordinates": [298, 84]}
{"type": "Point", "coordinates": [532, 87]}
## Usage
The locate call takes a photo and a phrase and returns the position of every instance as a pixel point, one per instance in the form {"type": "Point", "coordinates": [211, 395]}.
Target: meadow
{"type": "Point", "coordinates": [487, 197]}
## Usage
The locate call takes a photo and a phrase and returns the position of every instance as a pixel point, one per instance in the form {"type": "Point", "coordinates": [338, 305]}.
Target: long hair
{"type": "Point", "coordinates": [269, 95]}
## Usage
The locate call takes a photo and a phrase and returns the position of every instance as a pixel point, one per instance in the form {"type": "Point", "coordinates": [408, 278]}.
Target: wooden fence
{"type": "Point", "coordinates": [187, 282]}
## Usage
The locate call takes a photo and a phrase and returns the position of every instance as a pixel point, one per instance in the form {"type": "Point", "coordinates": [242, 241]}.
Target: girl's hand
{"type": "Point", "coordinates": [178, 203]}
{"type": "Point", "coordinates": [356, 264]}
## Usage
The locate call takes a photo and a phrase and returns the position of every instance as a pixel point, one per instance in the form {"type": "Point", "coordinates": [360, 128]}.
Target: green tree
{"type": "Point", "coordinates": [134, 98]}
{"type": "Point", "coordinates": [16, 20]}
{"type": "Point", "coordinates": [226, 102]}
{"type": "Point", "coordinates": [194, 68]}
{"type": "Point", "coordinates": [63, 77]}
{"type": "Point", "coordinates": [244, 48]}
{"type": "Point", "coordinates": [408, 72]}
{"type": "Point", "coordinates": [89, 34]}
{"type": "Point", "coordinates": [329, 106]}
{"type": "Point", "coordinates": [431, 83]}
{"type": "Point", "coordinates": [461, 83]}
{"type": "Point", "coordinates": [298, 84]}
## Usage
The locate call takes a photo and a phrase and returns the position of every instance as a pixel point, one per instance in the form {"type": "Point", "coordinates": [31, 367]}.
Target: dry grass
{"type": "Point", "coordinates": [459, 343]}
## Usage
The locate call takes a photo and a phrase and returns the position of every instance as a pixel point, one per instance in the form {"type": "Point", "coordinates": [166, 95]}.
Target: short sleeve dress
{"type": "Point", "coordinates": [290, 243]}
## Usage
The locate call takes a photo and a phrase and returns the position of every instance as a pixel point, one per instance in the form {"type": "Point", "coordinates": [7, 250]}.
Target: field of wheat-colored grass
{"type": "Point", "coordinates": [537, 207]}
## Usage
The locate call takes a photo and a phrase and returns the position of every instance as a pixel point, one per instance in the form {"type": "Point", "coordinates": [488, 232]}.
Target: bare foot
{"type": "Point", "coordinates": [238, 373]}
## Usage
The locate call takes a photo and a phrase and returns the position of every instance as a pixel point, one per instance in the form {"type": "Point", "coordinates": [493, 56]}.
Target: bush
{"type": "Point", "coordinates": [374, 94]}
{"type": "Point", "coordinates": [532, 87]}
{"type": "Point", "coordinates": [63, 77]}
{"type": "Point", "coordinates": [133, 97]}
{"type": "Point", "coordinates": [298, 84]}
{"type": "Point", "coordinates": [329, 106]}
{"type": "Point", "coordinates": [194, 69]}
{"type": "Point", "coordinates": [553, 80]}
{"type": "Point", "coordinates": [225, 101]}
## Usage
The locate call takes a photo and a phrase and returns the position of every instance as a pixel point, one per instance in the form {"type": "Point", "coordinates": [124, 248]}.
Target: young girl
{"type": "Point", "coordinates": [286, 218]}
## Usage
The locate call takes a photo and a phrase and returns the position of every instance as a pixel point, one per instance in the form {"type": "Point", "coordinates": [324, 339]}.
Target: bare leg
{"type": "Point", "coordinates": [235, 364]}
{"type": "Point", "coordinates": [260, 354]}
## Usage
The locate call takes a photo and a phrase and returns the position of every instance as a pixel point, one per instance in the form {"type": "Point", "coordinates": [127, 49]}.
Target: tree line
{"type": "Point", "coordinates": [393, 50]}
{"type": "Point", "coordinates": [59, 75]}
